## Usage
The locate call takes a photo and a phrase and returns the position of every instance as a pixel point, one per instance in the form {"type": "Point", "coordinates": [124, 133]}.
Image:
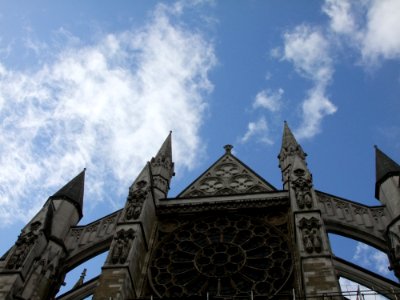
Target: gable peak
{"type": "Point", "coordinates": [227, 176]}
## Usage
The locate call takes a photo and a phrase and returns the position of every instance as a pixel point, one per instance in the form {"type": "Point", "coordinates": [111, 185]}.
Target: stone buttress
{"type": "Point", "coordinates": [33, 267]}
{"type": "Point", "coordinates": [124, 272]}
{"type": "Point", "coordinates": [315, 272]}
{"type": "Point", "coordinates": [387, 190]}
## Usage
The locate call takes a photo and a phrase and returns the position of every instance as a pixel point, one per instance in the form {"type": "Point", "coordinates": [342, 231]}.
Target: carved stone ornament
{"type": "Point", "coordinates": [311, 234]}
{"type": "Point", "coordinates": [136, 198]}
{"type": "Point", "coordinates": [163, 161]}
{"type": "Point", "coordinates": [23, 246]}
{"type": "Point", "coordinates": [226, 177]}
{"type": "Point", "coordinates": [291, 150]}
{"type": "Point", "coordinates": [302, 189]}
{"type": "Point", "coordinates": [122, 246]}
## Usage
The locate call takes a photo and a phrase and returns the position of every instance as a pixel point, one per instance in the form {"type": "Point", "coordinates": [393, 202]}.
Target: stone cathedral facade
{"type": "Point", "coordinates": [229, 235]}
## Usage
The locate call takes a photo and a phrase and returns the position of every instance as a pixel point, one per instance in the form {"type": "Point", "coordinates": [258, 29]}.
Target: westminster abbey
{"type": "Point", "coordinates": [229, 235]}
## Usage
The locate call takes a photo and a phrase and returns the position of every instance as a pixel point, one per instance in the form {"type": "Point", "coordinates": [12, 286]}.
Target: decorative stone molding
{"type": "Point", "coordinates": [310, 230]}
{"type": "Point", "coordinates": [122, 246]}
{"type": "Point", "coordinates": [82, 243]}
{"type": "Point", "coordinates": [302, 189]}
{"type": "Point", "coordinates": [135, 200]}
{"type": "Point", "coordinates": [291, 150]}
{"type": "Point", "coordinates": [23, 246]}
{"type": "Point", "coordinates": [233, 202]}
{"type": "Point", "coordinates": [354, 220]}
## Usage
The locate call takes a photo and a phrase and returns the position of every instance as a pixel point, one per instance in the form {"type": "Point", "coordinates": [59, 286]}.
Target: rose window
{"type": "Point", "coordinates": [225, 256]}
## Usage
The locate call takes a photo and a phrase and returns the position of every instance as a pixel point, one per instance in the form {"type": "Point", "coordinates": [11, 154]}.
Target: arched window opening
{"type": "Point", "coordinates": [362, 255]}
{"type": "Point", "coordinates": [82, 274]}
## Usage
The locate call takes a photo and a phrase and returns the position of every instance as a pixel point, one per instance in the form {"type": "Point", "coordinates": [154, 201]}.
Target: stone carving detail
{"type": "Point", "coordinates": [354, 220]}
{"type": "Point", "coordinates": [227, 177]}
{"type": "Point", "coordinates": [276, 201]}
{"type": "Point", "coordinates": [135, 200]}
{"type": "Point", "coordinates": [227, 170]}
{"type": "Point", "coordinates": [311, 234]}
{"type": "Point", "coordinates": [225, 256]}
{"type": "Point", "coordinates": [302, 189]}
{"type": "Point", "coordinates": [242, 183]}
{"type": "Point", "coordinates": [23, 245]}
{"type": "Point", "coordinates": [122, 246]}
{"type": "Point", "coordinates": [211, 185]}
{"type": "Point", "coordinates": [162, 161]}
{"type": "Point", "coordinates": [291, 150]}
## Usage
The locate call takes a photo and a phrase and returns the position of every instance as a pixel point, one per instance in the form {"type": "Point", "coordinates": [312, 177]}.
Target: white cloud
{"type": "Point", "coordinates": [371, 26]}
{"type": "Point", "coordinates": [315, 107]}
{"type": "Point", "coordinates": [382, 38]}
{"type": "Point", "coordinates": [259, 130]}
{"type": "Point", "coordinates": [342, 18]}
{"type": "Point", "coordinates": [107, 107]}
{"type": "Point", "coordinates": [371, 258]}
{"type": "Point", "coordinates": [308, 50]}
{"type": "Point", "coordinates": [269, 99]}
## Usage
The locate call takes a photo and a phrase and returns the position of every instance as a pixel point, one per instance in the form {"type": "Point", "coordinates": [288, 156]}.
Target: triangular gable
{"type": "Point", "coordinates": [227, 176]}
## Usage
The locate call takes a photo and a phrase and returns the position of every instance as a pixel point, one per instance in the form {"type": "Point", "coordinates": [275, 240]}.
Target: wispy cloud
{"type": "Point", "coordinates": [308, 50]}
{"type": "Point", "coordinates": [341, 16]}
{"type": "Point", "coordinates": [258, 130]}
{"type": "Point", "coordinates": [106, 106]}
{"type": "Point", "coordinates": [371, 258]}
{"type": "Point", "coordinates": [268, 99]}
{"type": "Point", "coordinates": [365, 26]}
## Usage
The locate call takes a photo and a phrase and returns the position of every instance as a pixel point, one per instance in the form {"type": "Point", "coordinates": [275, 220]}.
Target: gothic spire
{"type": "Point", "coordinates": [290, 145]}
{"type": "Point", "coordinates": [385, 167]}
{"type": "Point", "coordinates": [166, 148]}
{"type": "Point", "coordinates": [73, 191]}
{"type": "Point", "coordinates": [162, 166]}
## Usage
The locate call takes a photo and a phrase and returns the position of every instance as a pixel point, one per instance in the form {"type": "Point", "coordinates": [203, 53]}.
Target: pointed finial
{"type": "Point", "coordinates": [290, 144]}
{"type": "Point", "coordinates": [81, 279]}
{"type": "Point", "coordinates": [228, 148]}
{"type": "Point", "coordinates": [166, 147]}
{"type": "Point", "coordinates": [162, 164]}
{"type": "Point", "coordinates": [73, 191]}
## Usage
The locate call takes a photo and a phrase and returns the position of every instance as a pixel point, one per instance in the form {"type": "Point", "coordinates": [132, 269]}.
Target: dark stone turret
{"type": "Point", "coordinates": [385, 168]}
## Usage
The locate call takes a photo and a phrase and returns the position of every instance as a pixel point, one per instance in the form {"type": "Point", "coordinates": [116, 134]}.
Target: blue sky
{"type": "Point", "coordinates": [99, 85]}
